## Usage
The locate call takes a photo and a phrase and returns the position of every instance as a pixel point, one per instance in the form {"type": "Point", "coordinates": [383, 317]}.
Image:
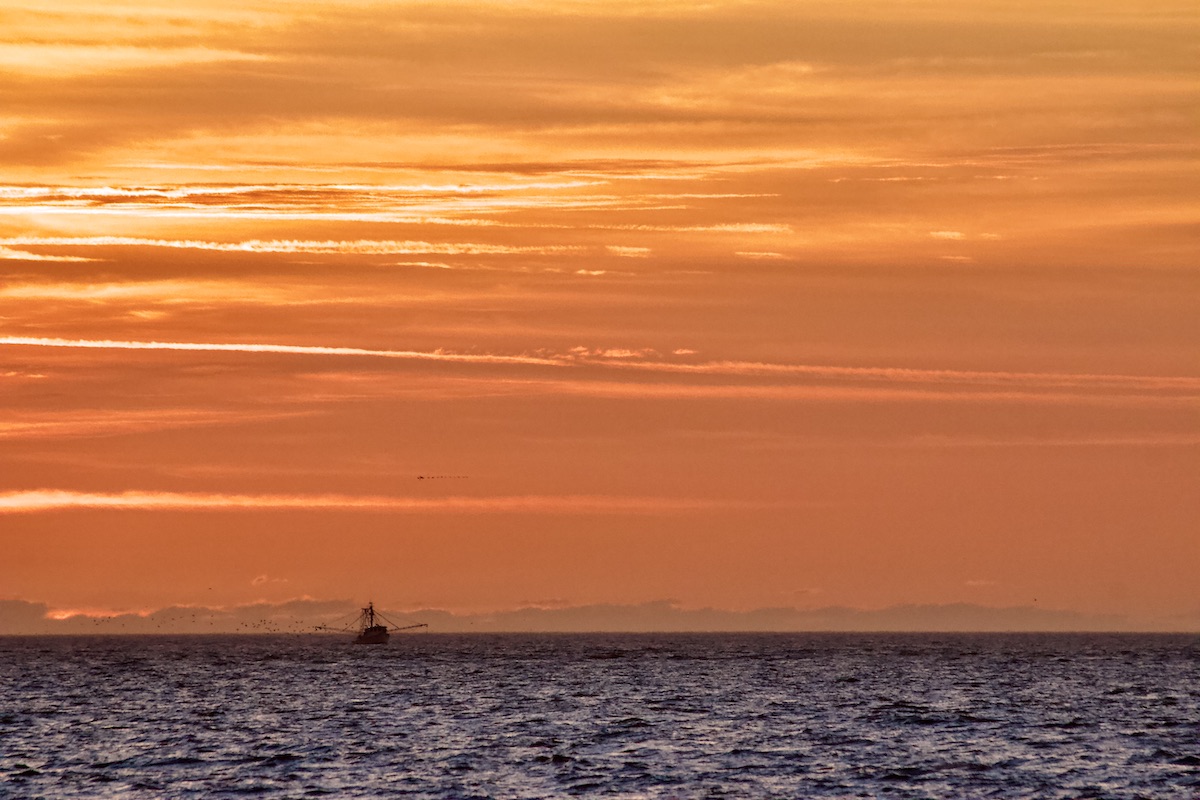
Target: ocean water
{"type": "Point", "coordinates": [656, 716]}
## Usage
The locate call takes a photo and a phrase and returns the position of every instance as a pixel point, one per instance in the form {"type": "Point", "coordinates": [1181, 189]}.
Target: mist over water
{"type": "Point", "coordinates": [661, 716]}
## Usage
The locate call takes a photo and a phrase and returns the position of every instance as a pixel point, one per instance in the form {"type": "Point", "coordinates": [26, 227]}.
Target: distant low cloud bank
{"type": "Point", "coordinates": [20, 617]}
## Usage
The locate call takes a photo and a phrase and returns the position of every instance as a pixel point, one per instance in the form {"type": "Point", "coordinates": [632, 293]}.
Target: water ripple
{"type": "Point", "coordinates": [646, 716]}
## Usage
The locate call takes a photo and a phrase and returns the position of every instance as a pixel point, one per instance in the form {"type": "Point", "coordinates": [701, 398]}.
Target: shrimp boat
{"type": "Point", "coordinates": [371, 627]}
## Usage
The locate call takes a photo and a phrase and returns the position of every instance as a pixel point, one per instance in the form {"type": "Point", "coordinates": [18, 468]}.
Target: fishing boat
{"type": "Point", "coordinates": [371, 627]}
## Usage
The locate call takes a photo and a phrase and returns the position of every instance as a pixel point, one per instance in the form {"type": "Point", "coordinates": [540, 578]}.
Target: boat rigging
{"type": "Point", "coordinates": [371, 627]}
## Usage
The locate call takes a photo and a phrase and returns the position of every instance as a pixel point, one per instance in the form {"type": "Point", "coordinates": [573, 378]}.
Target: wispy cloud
{"type": "Point", "coordinates": [86, 423]}
{"type": "Point", "coordinates": [46, 500]}
{"type": "Point", "coordinates": [307, 192]}
{"type": "Point", "coordinates": [760, 255]}
{"type": "Point", "coordinates": [936, 376]}
{"type": "Point", "coordinates": [179, 292]}
{"type": "Point", "coordinates": [315, 247]}
{"type": "Point", "coordinates": [1182, 387]}
{"type": "Point", "coordinates": [1054, 441]}
{"type": "Point", "coordinates": [62, 60]}
{"type": "Point", "coordinates": [472, 204]}
{"type": "Point", "coordinates": [435, 355]}
{"type": "Point", "coordinates": [9, 254]}
{"type": "Point", "coordinates": [844, 393]}
{"type": "Point", "coordinates": [626, 251]}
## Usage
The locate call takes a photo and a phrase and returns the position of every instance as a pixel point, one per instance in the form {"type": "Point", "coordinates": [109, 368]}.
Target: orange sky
{"type": "Point", "coordinates": [737, 305]}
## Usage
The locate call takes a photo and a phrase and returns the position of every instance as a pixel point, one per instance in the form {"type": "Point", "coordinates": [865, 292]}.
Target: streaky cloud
{"type": "Point", "coordinates": [48, 500]}
{"type": "Point", "coordinates": [85, 424]}
{"type": "Point", "coordinates": [10, 254]}
{"type": "Point", "coordinates": [314, 247]}
{"type": "Point", "coordinates": [182, 192]}
{"type": "Point", "coordinates": [73, 60]}
{"type": "Point", "coordinates": [919, 375]}
{"type": "Point", "coordinates": [627, 359]}
{"type": "Point", "coordinates": [104, 344]}
{"type": "Point", "coordinates": [301, 615]}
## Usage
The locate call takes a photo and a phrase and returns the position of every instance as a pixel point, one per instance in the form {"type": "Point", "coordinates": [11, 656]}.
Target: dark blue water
{"type": "Point", "coordinates": [657, 716]}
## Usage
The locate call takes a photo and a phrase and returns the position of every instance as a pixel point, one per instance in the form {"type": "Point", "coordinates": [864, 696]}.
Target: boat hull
{"type": "Point", "coordinates": [377, 634]}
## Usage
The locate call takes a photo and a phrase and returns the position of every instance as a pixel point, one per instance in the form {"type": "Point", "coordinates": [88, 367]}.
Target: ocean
{"type": "Point", "coordinates": [602, 715]}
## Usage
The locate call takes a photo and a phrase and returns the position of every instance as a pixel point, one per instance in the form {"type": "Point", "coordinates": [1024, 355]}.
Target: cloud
{"type": "Point", "coordinates": [50, 500]}
{"type": "Point", "coordinates": [293, 616]}
{"type": "Point", "coordinates": [928, 383]}
{"type": "Point", "coordinates": [931, 376]}
{"type": "Point", "coordinates": [94, 344]}
{"type": "Point", "coordinates": [611, 352]}
{"type": "Point", "coordinates": [627, 251]}
{"type": "Point", "coordinates": [1051, 441]}
{"type": "Point", "coordinates": [558, 615]}
{"type": "Point", "coordinates": [181, 292]}
{"type": "Point", "coordinates": [668, 616]}
{"type": "Point", "coordinates": [463, 204]}
{"type": "Point", "coordinates": [486, 72]}
{"type": "Point", "coordinates": [314, 247]}
{"type": "Point", "coordinates": [23, 617]}
{"type": "Point", "coordinates": [760, 255]}
{"type": "Point", "coordinates": [88, 423]}
{"type": "Point", "coordinates": [446, 211]}
{"type": "Point", "coordinates": [9, 254]}
{"type": "Point", "coordinates": [63, 60]}
{"type": "Point", "coordinates": [844, 392]}
{"type": "Point", "coordinates": [306, 194]}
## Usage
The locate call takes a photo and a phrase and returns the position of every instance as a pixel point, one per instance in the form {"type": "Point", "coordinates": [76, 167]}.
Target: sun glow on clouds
{"type": "Point", "coordinates": [915, 257]}
{"type": "Point", "coordinates": [468, 204]}
{"type": "Point", "coordinates": [625, 358]}
{"type": "Point", "coordinates": [307, 192]}
{"type": "Point", "coordinates": [83, 423]}
{"type": "Point", "coordinates": [329, 247]}
{"type": "Point", "coordinates": [629, 252]}
{"type": "Point", "coordinates": [467, 358]}
{"type": "Point", "coordinates": [45, 60]}
{"type": "Point", "coordinates": [41, 500]}
{"type": "Point", "coordinates": [756, 255]}
{"type": "Point", "coordinates": [9, 254]}
{"type": "Point", "coordinates": [205, 293]}
{"type": "Point", "coordinates": [168, 291]}
{"type": "Point", "coordinates": [59, 614]}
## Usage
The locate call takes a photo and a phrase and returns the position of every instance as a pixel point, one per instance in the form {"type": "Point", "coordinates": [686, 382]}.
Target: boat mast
{"type": "Point", "coordinates": [369, 612]}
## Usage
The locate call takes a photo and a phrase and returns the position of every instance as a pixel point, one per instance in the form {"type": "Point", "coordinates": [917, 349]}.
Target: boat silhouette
{"type": "Point", "coordinates": [371, 627]}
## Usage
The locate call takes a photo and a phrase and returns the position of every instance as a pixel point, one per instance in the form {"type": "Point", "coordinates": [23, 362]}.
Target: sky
{"type": "Point", "coordinates": [503, 308]}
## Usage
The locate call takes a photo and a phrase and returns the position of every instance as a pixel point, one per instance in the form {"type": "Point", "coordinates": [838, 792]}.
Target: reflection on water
{"type": "Point", "coordinates": [805, 715]}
